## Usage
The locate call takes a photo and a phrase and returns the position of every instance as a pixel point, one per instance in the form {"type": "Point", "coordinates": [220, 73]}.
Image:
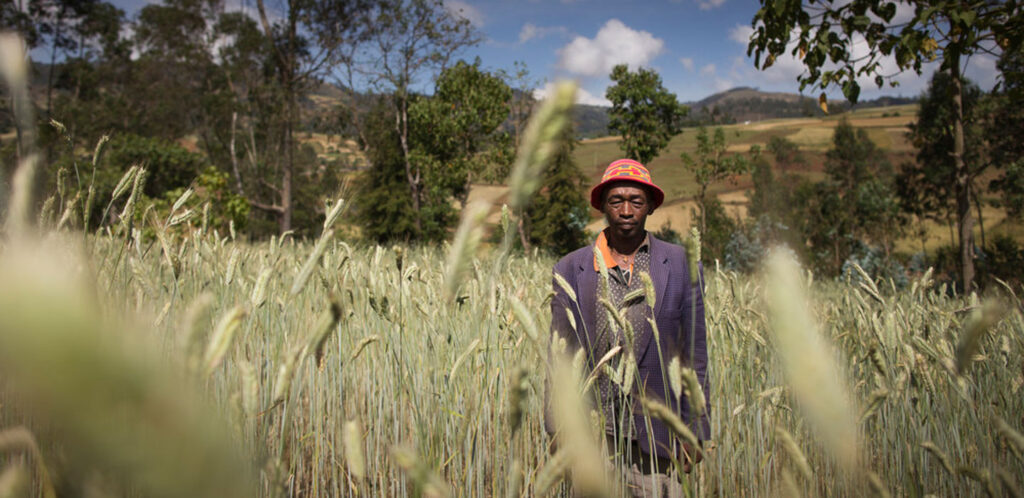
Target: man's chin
{"type": "Point", "coordinates": [628, 231]}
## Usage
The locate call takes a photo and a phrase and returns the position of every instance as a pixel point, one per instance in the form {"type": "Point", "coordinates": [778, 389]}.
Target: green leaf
{"type": "Point", "coordinates": [851, 90]}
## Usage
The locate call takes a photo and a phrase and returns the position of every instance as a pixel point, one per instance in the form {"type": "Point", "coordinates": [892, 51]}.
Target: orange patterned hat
{"type": "Point", "coordinates": [626, 170]}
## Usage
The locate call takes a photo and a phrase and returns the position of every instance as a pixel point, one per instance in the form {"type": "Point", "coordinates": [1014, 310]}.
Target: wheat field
{"type": "Point", "coordinates": [326, 369]}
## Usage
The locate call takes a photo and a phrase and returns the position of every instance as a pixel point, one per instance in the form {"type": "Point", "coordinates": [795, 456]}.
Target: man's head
{"type": "Point", "coordinates": [626, 196]}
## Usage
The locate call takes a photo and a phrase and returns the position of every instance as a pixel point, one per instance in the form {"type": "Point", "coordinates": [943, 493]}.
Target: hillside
{"type": "Point", "coordinates": [743, 104]}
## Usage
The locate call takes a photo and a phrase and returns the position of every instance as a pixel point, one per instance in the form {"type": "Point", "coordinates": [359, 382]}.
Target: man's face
{"type": "Point", "coordinates": [626, 206]}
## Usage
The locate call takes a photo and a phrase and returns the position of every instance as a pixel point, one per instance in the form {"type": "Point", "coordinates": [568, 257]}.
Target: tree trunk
{"type": "Point", "coordinates": [234, 155]}
{"type": "Point", "coordinates": [965, 223]}
{"type": "Point", "coordinates": [981, 217]}
{"type": "Point", "coordinates": [286, 171]}
{"type": "Point", "coordinates": [402, 127]}
{"type": "Point", "coordinates": [524, 238]}
{"type": "Point", "coordinates": [53, 62]}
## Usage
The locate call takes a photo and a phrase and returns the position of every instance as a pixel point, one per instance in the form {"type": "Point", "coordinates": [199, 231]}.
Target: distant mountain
{"type": "Point", "coordinates": [591, 121]}
{"type": "Point", "coordinates": [750, 104]}
{"type": "Point", "coordinates": [731, 106]}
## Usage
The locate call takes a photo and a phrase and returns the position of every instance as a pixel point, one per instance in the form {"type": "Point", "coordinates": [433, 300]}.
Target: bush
{"type": "Point", "coordinates": [750, 243]}
{"type": "Point", "coordinates": [875, 263]}
{"type": "Point", "coordinates": [669, 234]}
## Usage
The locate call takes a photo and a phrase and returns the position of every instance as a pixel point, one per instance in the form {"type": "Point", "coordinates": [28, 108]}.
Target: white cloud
{"type": "Point", "coordinates": [710, 4]}
{"type": "Point", "coordinates": [585, 97]}
{"type": "Point", "coordinates": [582, 96]}
{"type": "Point", "coordinates": [467, 11]}
{"type": "Point", "coordinates": [614, 44]}
{"type": "Point", "coordinates": [740, 33]}
{"type": "Point", "coordinates": [722, 85]}
{"type": "Point", "coordinates": [531, 31]}
{"type": "Point", "coordinates": [687, 63]}
{"type": "Point", "coordinates": [708, 70]}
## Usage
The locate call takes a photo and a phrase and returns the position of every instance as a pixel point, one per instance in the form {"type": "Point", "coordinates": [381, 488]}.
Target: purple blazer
{"type": "Point", "coordinates": [679, 313]}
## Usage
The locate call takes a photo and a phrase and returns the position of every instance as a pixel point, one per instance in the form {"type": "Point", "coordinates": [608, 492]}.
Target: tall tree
{"type": "Point", "coordinates": [1005, 130]}
{"type": "Point", "coordinates": [712, 164]}
{"type": "Point", "coordinates": [460, 123]}
{"type": "Point", "coordinates": [304, 38]}
{"type": "Point", "coordinates": [556, 220]}
{"type": "Point", "coordinates": [927, 187]}
{"type": "Point", "coordinates": [411, 41]}
{"type": "Point", "coordinates": [862, 177]}
{"type": "Point", "coordinates": [56, 21]}
{"type": "Point", "coordinates": [824, 33]}
{"type": "Point", "coordinates": [643, 112]}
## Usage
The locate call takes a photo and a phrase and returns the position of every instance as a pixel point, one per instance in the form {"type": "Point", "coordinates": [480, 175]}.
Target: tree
{"type": "Point", "coordinates": [384, 215]}
{"type": "Point", "coordinates": [713, 164]}
{"type": "Point", "coordinates": [556, 220]}
{"type": "Point", "coordinates": [459, 123]}
{"type": "Point", "coordinates": [1005, 131]}
{"type": "Point", "coordinates": [823, 35]}
{"type": "Point", "coordinates": [787, 154]}
{"type": "Point", "coordinates": [854, 158]}
{"type": "Point", "coordinates": [410, 40]}
{"type": "Point", "coordinates": [308, 34]}
{"type": "Point", "coordinates": [55, 21]}
{"type": "Point", "coordinates": [862, 177]}
{"type": "Point", "coordinates": [643, 112]}
{"type": "Point", "coordinates": [927, 187]}
{"type": "Point", "coordinates": [522, 101]}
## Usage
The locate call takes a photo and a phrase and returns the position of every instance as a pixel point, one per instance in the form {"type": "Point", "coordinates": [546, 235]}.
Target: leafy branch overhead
{"type": "Point", "coordinates": [823, 35]}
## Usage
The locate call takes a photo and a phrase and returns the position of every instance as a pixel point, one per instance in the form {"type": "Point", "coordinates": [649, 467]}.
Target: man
{"type": "Point", "coordinates": [626, 195]}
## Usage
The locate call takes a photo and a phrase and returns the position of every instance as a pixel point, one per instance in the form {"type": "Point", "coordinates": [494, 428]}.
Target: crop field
{"type": "Point", "coordinates": [200, 365]}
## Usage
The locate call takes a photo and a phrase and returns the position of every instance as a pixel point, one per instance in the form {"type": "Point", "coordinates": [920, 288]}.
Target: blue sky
{"type": "Point", "coordinates": [697, 46]}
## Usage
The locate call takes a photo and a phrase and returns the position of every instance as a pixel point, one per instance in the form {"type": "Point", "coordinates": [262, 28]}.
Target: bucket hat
{"type": "Point", "coordinates": [626, 170]}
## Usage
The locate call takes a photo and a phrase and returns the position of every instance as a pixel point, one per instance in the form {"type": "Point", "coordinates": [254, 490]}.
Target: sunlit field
{"type": "Point", "coordinates": [333, 370]}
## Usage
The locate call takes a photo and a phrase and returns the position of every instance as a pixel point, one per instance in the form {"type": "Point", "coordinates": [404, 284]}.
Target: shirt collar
{"type": "Point", "coordinates": [606, 252]}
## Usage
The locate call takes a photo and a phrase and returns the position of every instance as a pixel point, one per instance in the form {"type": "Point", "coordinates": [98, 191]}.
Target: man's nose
{"type": "Point", "coordinates": [627, 210]}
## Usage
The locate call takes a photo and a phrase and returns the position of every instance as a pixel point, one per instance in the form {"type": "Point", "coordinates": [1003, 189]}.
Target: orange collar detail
{"type": "Point", "coordinates": [606, 252]}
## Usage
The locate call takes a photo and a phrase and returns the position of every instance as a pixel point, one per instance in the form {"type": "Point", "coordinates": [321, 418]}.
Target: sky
{"type": "Point", "coordinates": [697, 46]}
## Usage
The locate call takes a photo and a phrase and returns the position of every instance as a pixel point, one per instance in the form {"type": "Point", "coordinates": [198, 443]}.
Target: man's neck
{"type": "Point", "coordinates": [625, 246]}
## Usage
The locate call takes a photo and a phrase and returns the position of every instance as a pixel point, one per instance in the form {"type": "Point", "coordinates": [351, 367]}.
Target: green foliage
{"type": "Point", "coordinates": [823, 35]}
{"type": "Point", "coordinates": [171, 166]}
{"type": "Point", "coordinates": [749, 244]}
{"type": "Point", "coordinates": [1002, 258]}
{"type": "Point", "coordinates": [718, 230]}
{"type": "Point", "coordinates": [556, 220]}
{"type": "Point", "coordinates": [877, 265]}
{"type": "Point", "coordinates": [854, 158]}
{"type": "Point", "coordinates": [713, 164]}
{"type": "Point", "coordinates": [383, 209]}
{"type": "Point", "coordinates": [788, 156]}
{"type": "Point", "coordinates": [453, 129]}
{"type": "Point", "coordinates": [1004, 130]}
{"type": "Point", "coordinates": [225, 208]}
{"type": "Point", "coordinates": [933, 137]}
{"type": "Point", "coordinates": [643, 112]}
{"type": "Point", "coordinates": [669, 234]}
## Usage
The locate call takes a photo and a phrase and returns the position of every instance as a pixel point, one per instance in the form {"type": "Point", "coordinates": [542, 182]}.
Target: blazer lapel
{"type": "Point", "coordinates": [588, 279]}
